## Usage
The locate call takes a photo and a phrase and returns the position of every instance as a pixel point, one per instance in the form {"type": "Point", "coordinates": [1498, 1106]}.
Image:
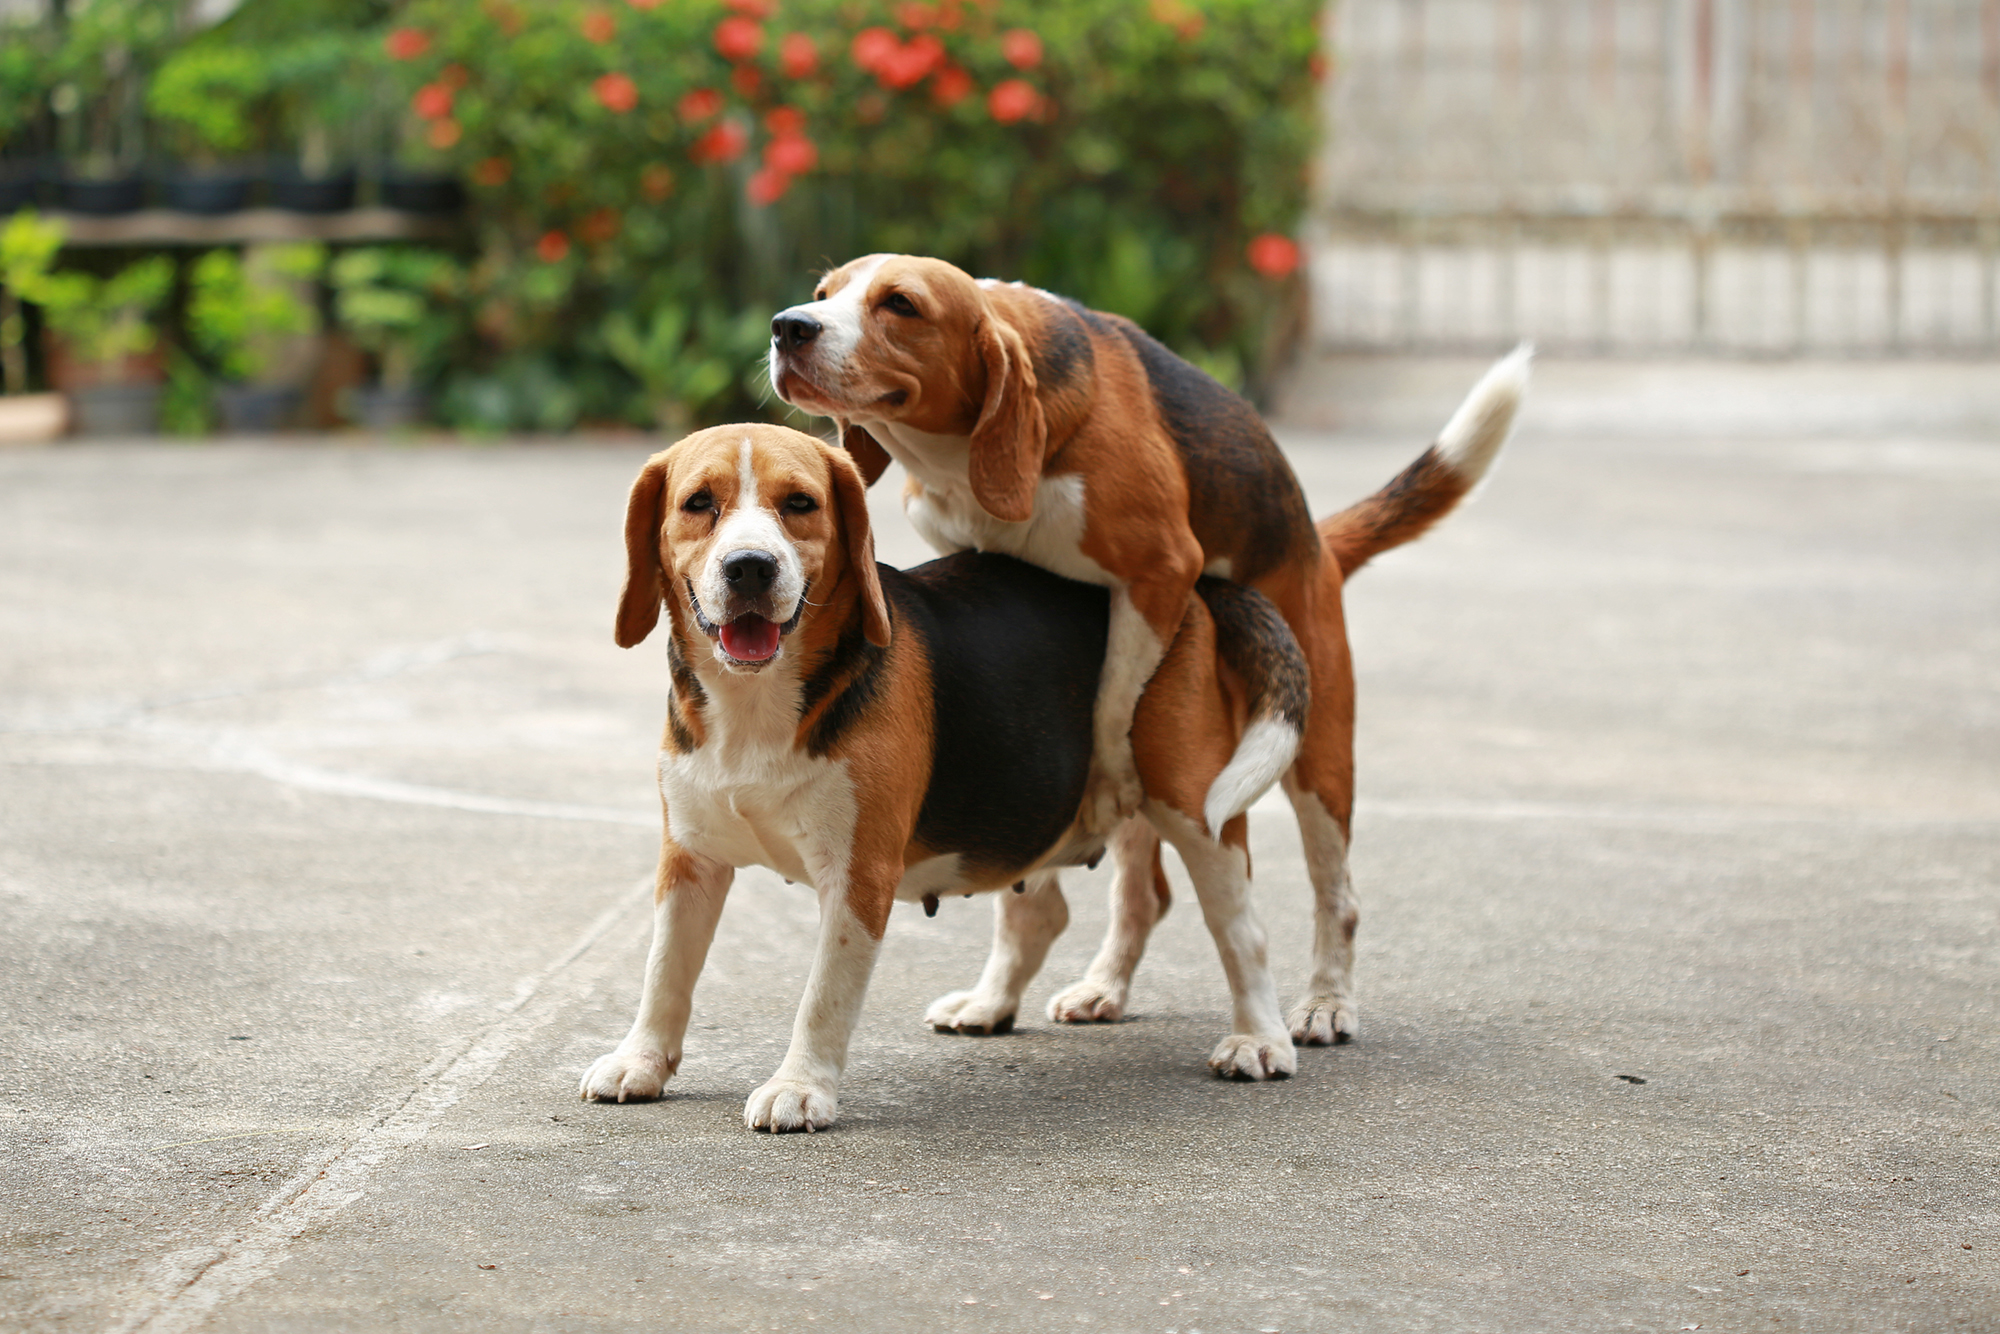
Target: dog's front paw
{"type": "Point", "coordinates": [1111, 795]}
{"type": "Point", "coordinates": [1241, 1056]}
{"type": "Point", "coordinates": [626, 1076]}
{"type": "Point", "coordinates": [787, 1104]}
{"type": "Point", "coordinates": [1088, 1002]}
{"type": "Point", "coordinates": [971, 1012]}
{"type": "Point", "coordinates": [1324, 1021]}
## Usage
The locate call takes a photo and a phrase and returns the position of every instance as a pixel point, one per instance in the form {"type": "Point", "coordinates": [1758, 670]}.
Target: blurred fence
{"type": "Point", "coordinates": [1741, 176]}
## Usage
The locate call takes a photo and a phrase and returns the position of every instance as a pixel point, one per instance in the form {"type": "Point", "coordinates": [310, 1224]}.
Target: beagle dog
{"type": "Point", "coordinates": [1031, 425]}
{"type": "Point", "coordinates": [885, 735]}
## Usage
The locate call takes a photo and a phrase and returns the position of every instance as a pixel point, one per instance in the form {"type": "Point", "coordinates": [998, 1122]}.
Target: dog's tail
{"type": "Point", "coordinates": [1253, 639]}
{"type": "Point", "coordinates": [1427, 490]}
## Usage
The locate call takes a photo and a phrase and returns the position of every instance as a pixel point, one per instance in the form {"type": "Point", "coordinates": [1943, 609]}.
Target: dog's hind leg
{"type": "Point", "coordinates": [1326, 1014]}
{"type": "Point", "coordinates": [687, 903]}
{"type": "Point", "coordinates": [1258, 1046]}
{"type": "Point", "coordinates": [1139, 899]}
{"type": "Point", "coordinates": [1024, 926]}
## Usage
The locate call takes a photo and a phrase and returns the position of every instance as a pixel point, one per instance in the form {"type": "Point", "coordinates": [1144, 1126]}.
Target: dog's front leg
{"type": "Point", "coordinates": [805, 1092]}
{"type": "Point", "coordinates": [687, 903]}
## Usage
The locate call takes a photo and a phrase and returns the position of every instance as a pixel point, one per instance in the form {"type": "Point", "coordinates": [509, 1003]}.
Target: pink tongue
{"type": "Point", "coordinates": [750, 638]}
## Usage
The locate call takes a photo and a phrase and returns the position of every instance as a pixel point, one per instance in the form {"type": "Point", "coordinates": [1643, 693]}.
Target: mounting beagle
{"type": "Point", "coordinates": [882, 735]}
{"type": "Point", "coordinates": [1031, 425]}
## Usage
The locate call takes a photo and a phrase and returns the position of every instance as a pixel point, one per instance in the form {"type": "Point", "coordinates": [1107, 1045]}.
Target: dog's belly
{"type": "Point", "coordinates": [791, 813]}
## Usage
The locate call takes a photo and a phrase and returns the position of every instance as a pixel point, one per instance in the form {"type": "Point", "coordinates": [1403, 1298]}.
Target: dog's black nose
{"type": "Point", "coordinates": [749, 572]}
{"type": "Point", "coordinates": [792, 329]}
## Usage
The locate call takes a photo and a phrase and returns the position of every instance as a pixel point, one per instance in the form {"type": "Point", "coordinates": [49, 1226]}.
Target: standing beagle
{"type": "Point", "coordinates": [883, 735]}
{"type": "Point", "coordinates": [1031, 425]}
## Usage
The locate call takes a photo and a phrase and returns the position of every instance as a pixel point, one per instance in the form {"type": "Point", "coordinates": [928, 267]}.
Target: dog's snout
{"type": "Point", "coordinates": [750, 573]}
{"type": "Point", "coordinates": [792, 329]}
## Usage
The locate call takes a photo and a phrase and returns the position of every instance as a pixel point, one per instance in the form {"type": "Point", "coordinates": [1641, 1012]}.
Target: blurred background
{"type": "Point", "coordinates": [511, 216]}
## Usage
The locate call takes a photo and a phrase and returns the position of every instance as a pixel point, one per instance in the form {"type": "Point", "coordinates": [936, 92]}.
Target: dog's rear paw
{"type": "Point", "coordinates": [791, 1104]}
{"type": "Point", "coordinates": [1240, 1056]}
{"type": "Point", "coordinates": [625, 1076]}
{"type": "Point", "coordinates": [1324, 1021]}
{"type": "Point", "coordinates": [971, 1012]}
{"type": "Point", "coordinates": [1088, 1003]}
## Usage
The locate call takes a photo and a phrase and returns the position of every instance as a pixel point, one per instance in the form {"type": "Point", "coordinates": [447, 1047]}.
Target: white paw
{"type": "Point", "coordinates": [625, 1076]}
{"type": "Point", "coordinates": [1240, 1056]}
{"type": "Point", "coordinates": [791, 1104]}
{"type": "Point", "coordinates": [1324, 1021]}
{"type": "Point", "coordinates": [1110, 797]}
{"type": "Point", "coordinates": [971, 1012]}
{"type": "Point", "coordinates": [1088, 1002]}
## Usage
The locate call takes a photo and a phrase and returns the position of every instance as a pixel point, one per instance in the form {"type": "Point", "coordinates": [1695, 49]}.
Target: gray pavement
{"type": "Point", "coordinates": [326, 822]}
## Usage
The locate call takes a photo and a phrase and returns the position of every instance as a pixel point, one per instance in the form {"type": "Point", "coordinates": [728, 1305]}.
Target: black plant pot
{"type": "Point", "coordinates": [253, 409]}
{"type": "Point", "coordinates": [383, 409]}
{"type": "Point", "coordinates": [116, 409]}
{"type": "Point", "coordinates": [208, 192]}
{"type": "Point", "coordinates": [429, 193]}
{"type": "Point", "coordinates": [299, 193]}
{"type": "Point", "coordinates": [20, 187]}
{"type": "Point", "coordinates": [121, 194]}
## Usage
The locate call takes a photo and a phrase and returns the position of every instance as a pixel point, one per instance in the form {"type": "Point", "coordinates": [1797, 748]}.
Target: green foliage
{"type": "Point", "coordinates": [205, 92]}
{"type": "Point", "coordinates": [28, 248]}
{"type": "Point", "coordinates": [1146, 145]}
{"type": "Point", "coordinates": [400, 304]}
{"type": "Point", "coordinates": [106, 320]}
{"type": "Point", "coordinates": [238, 308]}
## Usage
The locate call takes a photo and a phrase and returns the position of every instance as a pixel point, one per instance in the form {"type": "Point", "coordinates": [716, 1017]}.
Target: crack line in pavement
{"type": "Point", "coordinates": [335, 1180]}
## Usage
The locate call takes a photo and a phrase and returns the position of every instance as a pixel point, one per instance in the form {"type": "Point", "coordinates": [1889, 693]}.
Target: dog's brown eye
{"type": "Point", "coordinates": [699, 502]}
{"type": "Point", "coordinates": [820, 295]}
{"type": "Point", "coordinates": [899, 303]}
{"type": "Point", "coordinates": [800, 503]}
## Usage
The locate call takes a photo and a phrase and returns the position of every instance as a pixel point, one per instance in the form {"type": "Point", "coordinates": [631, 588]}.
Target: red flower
{"type": "Point", "coordinates": [552, 247]}
{"type": "Point", "coordinates": [872, 46]}
{"type": "Point", "coordinates": [724, 143]}
{"type": "Point", "coordinates": [767, 187]}
{"type": "Point", "coordinates": [915, 15]}
{"type": "Point", "coordinates": [601, 226]}
{"type": "Point", "coordinates": [432, 102]}
{"type": "Point", "coordinates": [783, 121]}
{"type": "Point", "coordinates": [444, 134]}
{"type": "Point", "coordinates": [951, 86]}
{"type": "Point", "coordinates": [738, 38]}
{"type": "Point", "coordinates": [407, 43]}
{"type": "Point", "coordinates": [617, 92]}
{"type": "Point", "coordinates": [907, 65]}
{"type": "Point", "coordinates": [1022, 48]}
{"type": "Point", "coordinates": [699, 105]}
{"type": "Point", "coordinates": [656, 182]}
{"type": "Point", "coordinates": [746, 79]}
{"type": "Point", "coordinates": [756, 9]}
{"type": "Point", "coordinates": [1273, 255]}
{"type": "Point", "coordinates": [598, 26]}
{"type": "Point", "coordinates": [792, 154]}
{"type": "Point", "coordinates": [797, 55]}
{"type": "Point", "coordinates": [1318, 66]}
{"type": "Point", "coordinates": [493, 171]}
{"type": "Point", "coordinates": [1012, 100]}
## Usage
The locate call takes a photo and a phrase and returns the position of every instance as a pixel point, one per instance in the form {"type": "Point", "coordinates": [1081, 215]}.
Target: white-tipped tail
{"type": "Point", "coordinates": [1268, 747]}
{"type": "Point", "coordinates": [1476, 431]}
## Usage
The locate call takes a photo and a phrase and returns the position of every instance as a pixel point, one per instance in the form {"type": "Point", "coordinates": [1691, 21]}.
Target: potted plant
{"type": "Point", "coordinates": [681, 364]}
{"type": "Point", "coordinates": [248, 316]}
{"type": "Point", "coordinates": [401, 306]}
{"type": "Point", "coordinates": [25, 47]}
{"type": "Point", "coordinates": [99, 71]}
{"type": "Point", "coordinates": [104, 345]}
{"type": "Point", "coordinates": [28, 246]}
{"type": "Point", "coordinates": [203, 96]}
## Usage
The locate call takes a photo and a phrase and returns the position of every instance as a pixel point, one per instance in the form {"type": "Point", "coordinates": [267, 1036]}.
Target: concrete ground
{"type": "Point", "coordinates": [326, 825]}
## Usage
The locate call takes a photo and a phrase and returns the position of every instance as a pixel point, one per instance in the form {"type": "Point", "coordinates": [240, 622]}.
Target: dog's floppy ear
{"type": "Point", "coordinates": [850, 496]}
{"type": "Point", "coordinates": [869, 456]}
{"type": "Point", "coordinates": [645, 581]}
{"type": "Point", "coordinates": [1011, 435]}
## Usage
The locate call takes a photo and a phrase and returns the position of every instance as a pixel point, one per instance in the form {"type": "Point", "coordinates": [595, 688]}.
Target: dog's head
{"type": "Point", "coordinates": [917, 342]}
{"type": "Point", "coordinates": [746, 533]}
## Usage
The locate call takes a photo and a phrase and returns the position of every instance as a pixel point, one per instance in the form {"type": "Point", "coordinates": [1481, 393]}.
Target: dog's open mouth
{"type": "Point", "coordinates": [751, 639]}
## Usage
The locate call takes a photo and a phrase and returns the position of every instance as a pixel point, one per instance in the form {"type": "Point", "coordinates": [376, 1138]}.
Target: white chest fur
{"type": "Point", "coordinates": [944, 511]}
{"type": "Point", "coordinates": [747, 795]}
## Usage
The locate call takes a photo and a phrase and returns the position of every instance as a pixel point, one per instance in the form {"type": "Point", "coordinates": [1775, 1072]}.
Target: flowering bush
{"type": "Point", "coordinates": [651, 181]}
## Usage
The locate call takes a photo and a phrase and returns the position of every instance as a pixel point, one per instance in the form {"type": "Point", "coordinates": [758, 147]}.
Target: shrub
{"type": "Point", "coordinates": [240, 309]}
{"type": "Point", "coordinates": [653, 180]}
